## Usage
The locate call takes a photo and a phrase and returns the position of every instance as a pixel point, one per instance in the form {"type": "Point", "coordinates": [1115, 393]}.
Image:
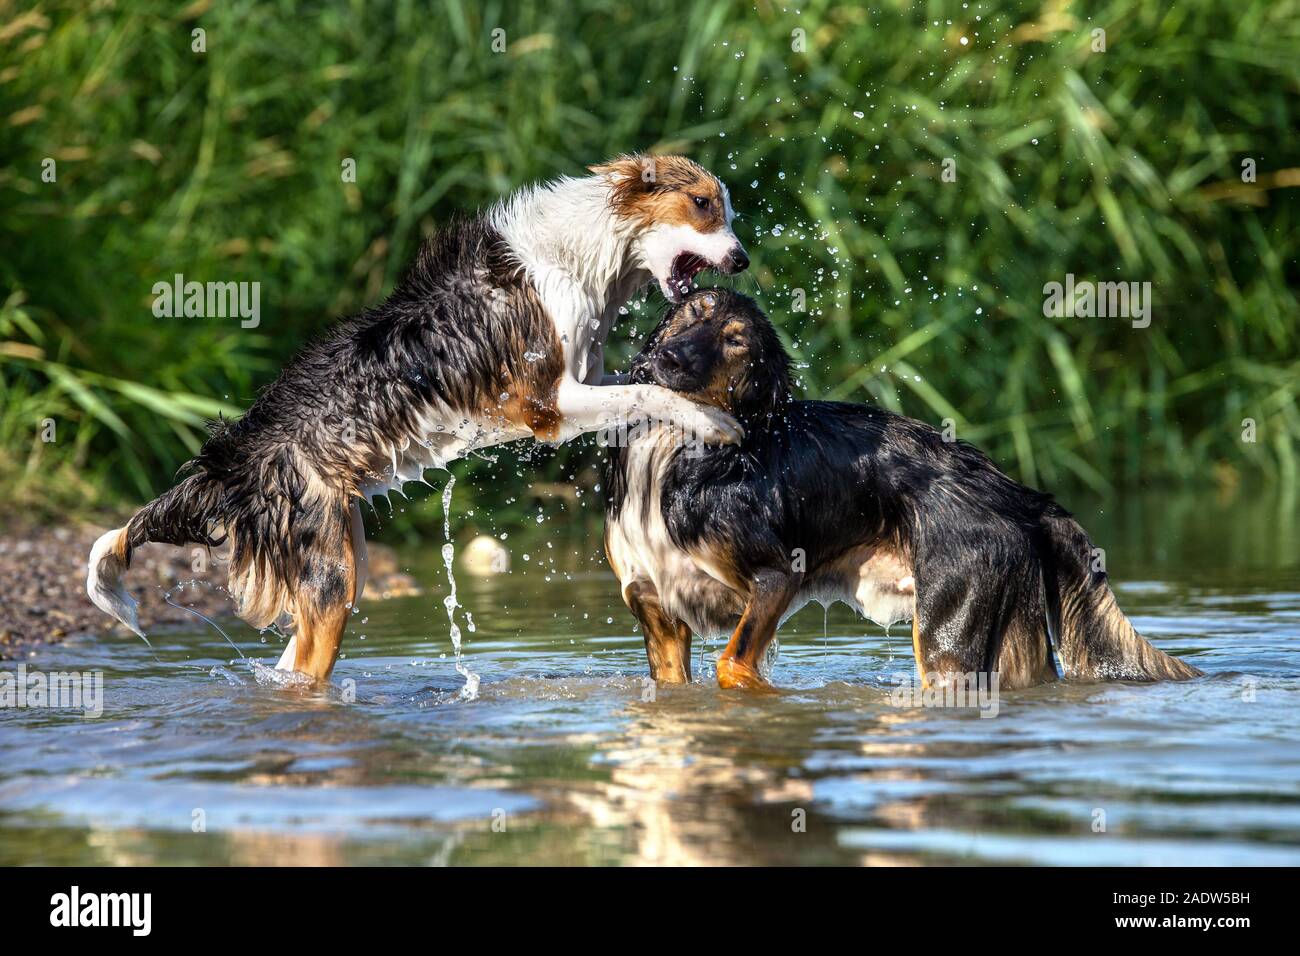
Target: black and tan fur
{"type": "Point", "coordinates": [831, 501]}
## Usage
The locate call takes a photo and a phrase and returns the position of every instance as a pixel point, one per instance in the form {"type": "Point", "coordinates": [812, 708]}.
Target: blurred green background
{"type": "Point", "coordinates": [831, 124]}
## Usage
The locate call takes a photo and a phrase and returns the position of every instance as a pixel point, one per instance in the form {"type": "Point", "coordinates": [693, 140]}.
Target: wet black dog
{"type": "Point", "coordinates": [831, 501]}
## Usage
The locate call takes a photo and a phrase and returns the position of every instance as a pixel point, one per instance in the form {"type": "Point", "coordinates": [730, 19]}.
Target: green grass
{"type": "Point", "coordinates": [924, 296]}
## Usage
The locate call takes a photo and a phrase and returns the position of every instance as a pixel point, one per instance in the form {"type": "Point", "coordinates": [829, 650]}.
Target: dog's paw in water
{"type": "Point", "coordinates": [734, 674]}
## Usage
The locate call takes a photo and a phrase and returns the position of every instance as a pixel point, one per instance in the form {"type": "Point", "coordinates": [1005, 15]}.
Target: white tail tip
{"type": "Point", "coordinates": [104, 580]}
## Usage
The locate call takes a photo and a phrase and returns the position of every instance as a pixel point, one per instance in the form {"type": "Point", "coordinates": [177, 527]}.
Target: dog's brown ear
{"type": "Point", "coordinates": [632, 176]}
{"type": "Point", "coordinates": [636, 166]}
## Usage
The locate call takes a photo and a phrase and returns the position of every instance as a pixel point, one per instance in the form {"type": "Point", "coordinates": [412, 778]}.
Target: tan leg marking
{"type": "Point", "coordinates": [667, 640]}
{"type": "Point", "coordinates": [317, 642]}
{"type": "Point", "coordinates": [770, 595]}
{"type": "Point", "coordinates": [320, 618]}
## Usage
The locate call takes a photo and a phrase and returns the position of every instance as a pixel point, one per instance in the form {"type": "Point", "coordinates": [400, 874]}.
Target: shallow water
{"type": "Point", "coordinates": [567, 756]}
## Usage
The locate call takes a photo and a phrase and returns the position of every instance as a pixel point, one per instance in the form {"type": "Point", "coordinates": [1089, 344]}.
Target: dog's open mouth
{"type": "Point", "coordinates": [682, 275]}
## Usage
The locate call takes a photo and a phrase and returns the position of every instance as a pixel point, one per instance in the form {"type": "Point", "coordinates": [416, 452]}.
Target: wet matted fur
{"type": "Point", "coordinates": [834, 501]}
{"type": "Point", "coordinates": [494, 333]}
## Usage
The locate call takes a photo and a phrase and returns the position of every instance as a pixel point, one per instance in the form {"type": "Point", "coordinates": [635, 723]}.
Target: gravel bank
{"type": "Point", "coordinates": [43, 586]}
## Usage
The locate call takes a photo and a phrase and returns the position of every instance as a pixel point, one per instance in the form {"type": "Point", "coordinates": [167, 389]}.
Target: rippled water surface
{"type": "Point", "coordinates": [568, 757]}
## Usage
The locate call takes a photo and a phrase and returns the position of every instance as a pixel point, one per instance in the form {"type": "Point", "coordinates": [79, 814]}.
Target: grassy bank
{"type": "Point", "coordinates": [923, 292]}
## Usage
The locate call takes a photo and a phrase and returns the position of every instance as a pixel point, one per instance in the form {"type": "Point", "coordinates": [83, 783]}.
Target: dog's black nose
{"type": "Point", "coordinates": [737, 261]}
{"type": "Point", "coordinates": [670, 360]}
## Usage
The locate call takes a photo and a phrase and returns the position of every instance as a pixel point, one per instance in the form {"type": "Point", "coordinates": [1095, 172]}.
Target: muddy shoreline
{"type": "Point", "coordinates": [43, 586]}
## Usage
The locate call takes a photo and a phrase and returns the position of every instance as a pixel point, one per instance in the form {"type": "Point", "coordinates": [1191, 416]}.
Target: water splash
{"type": "Point", "coordinates": [168, 598]}
{"type": "Point", "coordinates": [266, 676]}
{"type": "Point", "coordinates": [231, 678]}
{"type": "Point", "coordinates": [271, 677]}
{"type": "Point", "coordinates": [470, 690]}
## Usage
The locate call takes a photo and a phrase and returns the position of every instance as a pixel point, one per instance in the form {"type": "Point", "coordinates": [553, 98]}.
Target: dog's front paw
{"type": "Point", "coordinates": [713, 426]}
{"type": "Point", "coordinates": [737, 675]}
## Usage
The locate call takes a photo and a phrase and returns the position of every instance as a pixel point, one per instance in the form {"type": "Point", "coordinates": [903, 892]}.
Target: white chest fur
{"type": "Point", "coordinates": [579, 257]}
{"type": "Point", "coordinates": [640, 548]}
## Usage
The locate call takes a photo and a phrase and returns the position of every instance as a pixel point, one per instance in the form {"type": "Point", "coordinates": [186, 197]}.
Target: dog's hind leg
{"type": "Point", "coordinates": [979, 620]}
{"type": "Point", "coordinates": [360, 562]}
{"type": "Point", "coordinates": [320, 634]}
{"type": "Point", "coordinates": [951, 635]}
{"type": "Point", "coordinates": [324, 606]}
{"type": "Point", "coordinates": [327, 590]}
{"type": "Point", "coordinates": [667, 640]}
{"type": "Point", "coordinates": [771, 592]}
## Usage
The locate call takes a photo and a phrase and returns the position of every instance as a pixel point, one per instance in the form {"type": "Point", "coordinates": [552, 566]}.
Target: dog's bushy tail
{"type": "Point", "coordinates": [1093, 637]}
{"type": "Point", "coordinates": [185, 514]}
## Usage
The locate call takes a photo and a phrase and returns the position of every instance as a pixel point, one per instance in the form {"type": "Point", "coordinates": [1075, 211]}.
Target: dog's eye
{"type": "Point", "coordinates": [701, 202]}
{"type": "Point", "coordinates": [735, 341]}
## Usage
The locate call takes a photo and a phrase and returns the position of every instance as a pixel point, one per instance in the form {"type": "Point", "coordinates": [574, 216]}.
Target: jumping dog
{"type": "Point", "coordinates": [495, 333]}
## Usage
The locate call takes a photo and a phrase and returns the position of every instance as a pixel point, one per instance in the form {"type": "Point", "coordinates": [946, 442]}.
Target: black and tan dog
{"type": "Point", "coordinates": [830, 501]}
